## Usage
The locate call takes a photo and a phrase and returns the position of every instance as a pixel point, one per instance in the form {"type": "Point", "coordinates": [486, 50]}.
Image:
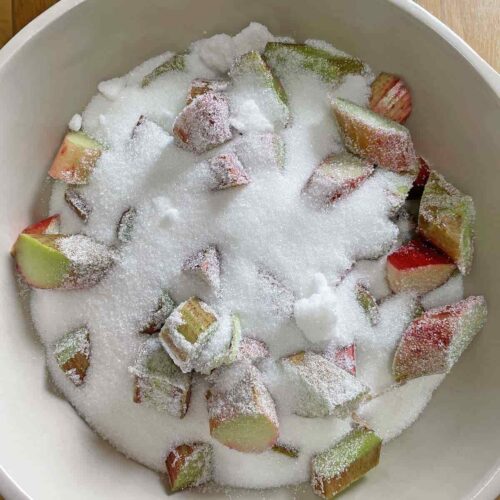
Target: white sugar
{"type": "Point", "coordinates": [75, 124]}
{"type": "Point", "coordinates": [449, 293]}
{"type": "Point", "coordinates": [271, 240]}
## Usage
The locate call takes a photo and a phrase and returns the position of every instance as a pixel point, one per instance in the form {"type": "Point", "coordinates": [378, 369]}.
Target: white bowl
{"type": "Point", "coordinates": [51, 69]}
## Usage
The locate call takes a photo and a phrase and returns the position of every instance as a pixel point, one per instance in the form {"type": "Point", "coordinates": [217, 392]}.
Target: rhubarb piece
{"type": "Point", "coordinates": [159, 383]}
{"type": "Point", "coordinates": [331, 68]}
{"type": "Point", "coordinates": [189, 465]}
{"type": "Point", "coordinates": [373, 137]}
{"type": "Point", "coordinates": [343, 357]}
{"type": "Point", "coordinates": [158, 317]}
{"type": "Point", "coordinates": [78, 204]}
{"type": "Point", "coordinates": [72, 353]}
{"type": "Point", "coordinates": [351, 458]}
{"type": "Point", "coordinates": [281, 296]}
{"type": "Point", "coordinates": [140, 122]}
{"type": "Point", "coordinates": [203, 124]}
{"type": "Point", "coordinates": [421, 179]}
{"type": "Point", "coordinates": [126, 225]}
{"type": "Point", "coordinates": [61, 261]}
{"type": "Point", "coordinates": [206, 264]}
{"type": "Point", "coordinates": [337, 176]}
{"type": "Point", "coordinates": [187, 330]}
{"type": "Point", "coordinates": [418, 266]}
{"type": "Point", "coordinates": [50, 225]}
{"type": "Point", "coordinates": [199, 87]}
{"type": "Point", "coordinates": [390, 97]}
{"type": "Point", "coordinates": [75, 159]}
{"type": "Point", "coordinates": [446, 218]}
{"type": "Point", "coordinates": [241, 412]}
{"type": "Point", "coordinates": [228, 172]}
{"type": "Point", "coordinates": [175, 63]}
{"type": "Point", "coordinates": [367, 301]}
{"type": "Point", "coordinates": [261, 150]}
{"type": "Point", "coordinates": [252, 70]}
{"type": "Point", "coordinates": [252, 350]}
{"type": "Point", "coordinates": [322, 388]}
{"type": "Point", "coordinates": [285, 449]}
{"type": "Point", "coordinates": [435, 340]}
{"type": "Point", "coordinates": [398, 190]}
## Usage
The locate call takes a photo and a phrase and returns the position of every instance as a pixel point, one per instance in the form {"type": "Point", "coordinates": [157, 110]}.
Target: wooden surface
{"type": "Point", "coordinates": [476, 21]}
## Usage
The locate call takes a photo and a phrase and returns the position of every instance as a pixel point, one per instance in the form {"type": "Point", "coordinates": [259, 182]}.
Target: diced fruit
{"type": "Point", "coordinates": [421, 179]}
{"type": "Point", "coordinates": [435, 340]}
{"type": "Point", "coordinates": [418, 266]}
{"type": "Point", "coordinates": [160, 314]}
{"type": "Point", "coordinates": [78, 204]}
{"type": "Point", "coordinates": [343, 357]}
{"type": "Point", "coordinates": [186, 331]}
{"type": "Point", "coordinates": [203, 124]}
{"type": "Point", "coordinates": [286, 450]}
{"type": "Point", "coordinates": [398, 190]}
{"type": "Point", "coordinates": [322, 388]}
{"type": "Point", "coordinates": [206, 264]}
{"type": "Point", "coordinates": [227, 171]}
{"type": "Point", "coordinates": [252, 350]}
{"type": "Point", "coordinates": [337, 176]}
{"type": "Point", "coordinates": [252, 68]}
{"type": "Point", "coordinates": [50, 225]}
{"type": "Point", "coordinates": [281, 296]}
{"type": "Point", "coordinates": [175, 63]}
{"type": "Point", "coordinates": [138, 125]}
{"type": "Point", "coordinates": [373, 137]}
{"type": "Point", "coordinates": [126, 225]}
{"type": "Point", "coordinates": [391, 97]}
{"type": "Point", "coordinates": [199, 87]}
{"type": "Point", "coordinates": [241, 411]}
{"type": "Point", "coordinates": [61, 261]}
{"type": "Point", "coordinates": [367, 301]}
{"type": "Point", "coordinates": [72, 353]}
{"type": "Point", "coordinates": [446, 218]}
{"type": "Point", "coordinates": [261, 151]}
{"type": "Point", "coordinates": [189, 465]}
{"type": "Point", "coordinates": [351, 458]}
{"type": "Point", "coordinates": [159, 382]}
{"type": "Point", "coordinates": [75, 159]}
{"type": "Point", "coordinates": [329, 67]}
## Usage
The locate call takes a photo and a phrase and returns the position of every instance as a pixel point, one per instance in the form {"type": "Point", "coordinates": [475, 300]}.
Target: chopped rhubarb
{"type": "Point", "coordinates": [175, 63]}
{"type": "Point", "coordinates": [157, 318]}
{"type": "Point", "coordinates": [252, 350]}
{"type": "Point", "coordinates": [199, 87]}
{"type": "Point", "coordinates": [343, 357]}
{"type": "Point", "coordinates": [367, 301]}
{"type": "Point", "coordinates": [78, 204]}
{"type": "Point", "coordinates": [206, 264]}
{"type": "Point", "coordinates": [189, 465]}
{"type": "Point", "coordinates": [421, 179]}
{"type": "Point", "coordinates": [228, 172]}
{"type": "Point", "coordinates": [72, 353]}
{"type": "Point", "coordinates": [50, 225]}
{"type": "Point", "coordinates": [390, 97]}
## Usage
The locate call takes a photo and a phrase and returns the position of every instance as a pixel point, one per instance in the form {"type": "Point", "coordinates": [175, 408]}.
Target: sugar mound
{"type": "Point", "coordinates": [75, 124]}
{"type": "Point", "coordinates": [271, 243]}
{"type": "Point", "coordinates": [449, 293]}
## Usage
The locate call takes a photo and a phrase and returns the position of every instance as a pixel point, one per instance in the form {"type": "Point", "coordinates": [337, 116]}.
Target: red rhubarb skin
{"type": "Point", "coordinates": [417, 253]}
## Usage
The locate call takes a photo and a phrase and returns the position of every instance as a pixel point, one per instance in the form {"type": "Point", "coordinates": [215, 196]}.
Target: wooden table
{"type": "Point", "coordinates": [476, 21]}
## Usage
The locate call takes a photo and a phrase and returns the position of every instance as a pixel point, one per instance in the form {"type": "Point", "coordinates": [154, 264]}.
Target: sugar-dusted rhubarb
{"type": "Point", "coordinates": [420, 181]}
{"type": "Point", "coordinates": [258, 151]}
{"type": "Point", "coordinates": [72, 353]}
{"type": "Point", "coordinates": [157, 318]}
{"type": "Point", "coordinates": [158, 382]}
{"type": "Point", "coordinates": [203, 124]}
{"type": "Point", "coordinates": [343, 357]}
{"type": "Point", "coordinates": [329, 67]}
{"type": "Point", "coordinates": [206, 264]}
{"type": "Point", "coordinates": [446, 218]}
{"type": "Point", "coordinates": [398, 190]}
{"type": "Point", "coordinates": [252, 350]}
{"type": "Point", "coordinates": [227, 171]}
{"type": "Point", "coordinates": [352, 457]}
{"type": "Point", "coordinates": [189, 465]}
{"type": "Point", "coordinates": [418, 266]}
{"type": "Point", "coordinates": [374, 138]}
{"type": "Point", "coordinates": [78, 204]}
{"type": "Point", "coordinates": [200, 86]}
{"type": "Point", "coordinates": [322, 388]}
{"type": "Point", "coordinates": [390, 97]}
{"type": "Point", "coordinates": [280, 295]}
{"type": "Point", "coordinates": [286, 449]}
{"type": "Point", "coordinates": [187, 330]}
{"type": "Point", "coordinates": [61, 261]}
{"type": "Point", "coordinates": [50, 225]}
{"type": "Point", "coordinates": [175, 63]}
{"type": "Point", "coordinates": [435, 340]}
{"type": "Point", "coordinates": [241, 412]}
{"type": "Point", "coordinates": [367, 301]}
{"type": "Point", "coordinates": [126, 224]}
{"type": "Point", "coordinates": [75, 159]}
{"type": "Point", "coordinates": [336, 176]}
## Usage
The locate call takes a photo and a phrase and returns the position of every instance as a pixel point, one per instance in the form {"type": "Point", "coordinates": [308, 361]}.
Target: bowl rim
{"type": "Point", "coordinates": [489, 485]}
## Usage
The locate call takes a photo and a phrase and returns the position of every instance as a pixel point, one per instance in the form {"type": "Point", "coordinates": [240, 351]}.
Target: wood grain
{"type": "Point", "coordinates": [23, 11]}
{"type": "Point", "coordinates": [6, 28]}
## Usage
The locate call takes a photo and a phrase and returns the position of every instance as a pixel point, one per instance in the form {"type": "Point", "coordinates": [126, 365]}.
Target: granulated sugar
{"type": "Point", "coordinates": [272, 243]}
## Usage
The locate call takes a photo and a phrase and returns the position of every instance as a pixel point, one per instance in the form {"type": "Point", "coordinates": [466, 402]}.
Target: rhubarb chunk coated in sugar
{"type": "Point", "coordinates": [72, 353]}
{"type": "Point", "coordinates": [189, 465]}
{"type": "Point", "coordinates": [390, 97]}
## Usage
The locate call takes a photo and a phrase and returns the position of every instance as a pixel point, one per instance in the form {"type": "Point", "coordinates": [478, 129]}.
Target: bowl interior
{"type": "Point", "coordinates": [46, 448]}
